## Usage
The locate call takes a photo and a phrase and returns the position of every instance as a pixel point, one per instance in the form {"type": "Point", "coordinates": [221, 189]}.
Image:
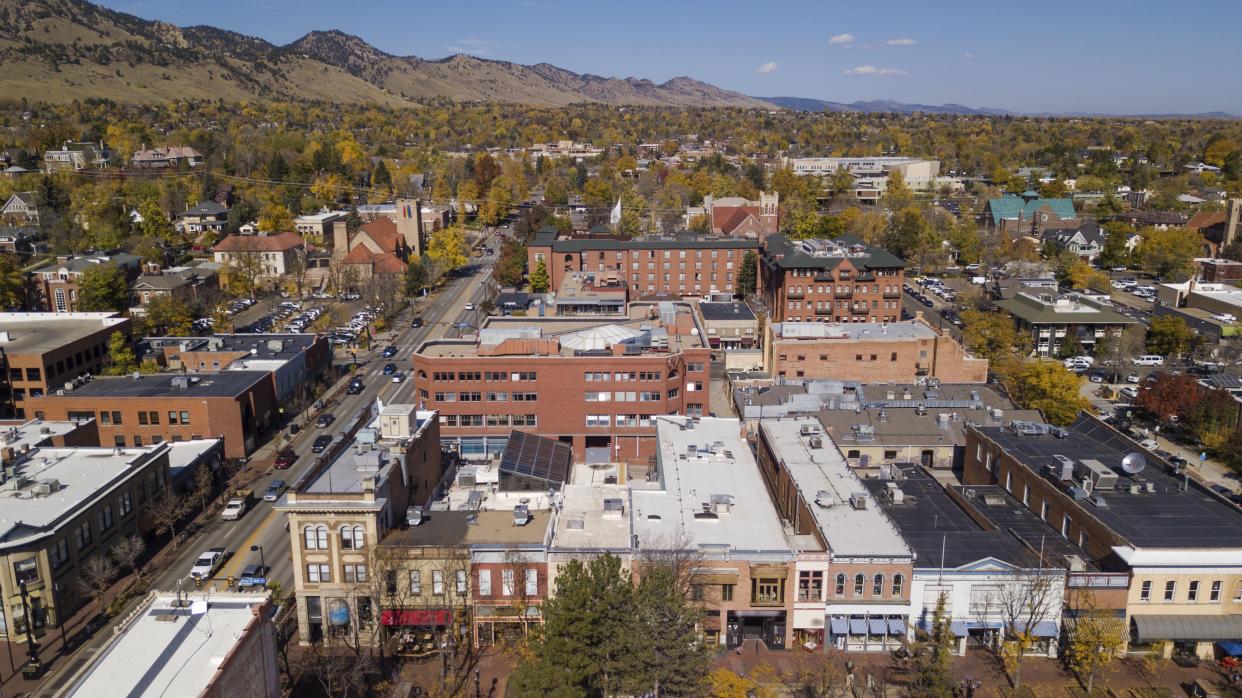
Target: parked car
{"type": "Point", "coordinates": [321, 443]}
{"type": "Point", "coordinates": [208, 562]}
{"type": "Point", "coordinates": [1097, 377]}
{"type": "Point", "coordinates": [274, 490]}
{"type": "Point", "coordinates": [285, 459]}
{"type": "Point", "coordinates": [1129, 393]}
{"type": "Point", "coordinates": [1149, 445]}
{"type": "Point", "coordinates": [1133, 378]}
{"type": "Point", "coordinates": [253, 576]}
{"type": "Point", "coordinates": [325, 419]}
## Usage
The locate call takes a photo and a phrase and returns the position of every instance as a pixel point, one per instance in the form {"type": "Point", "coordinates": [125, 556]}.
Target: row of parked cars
{"type": "Point", "coordinates": [268, 322]}
{"type": "Point", "coordinates": [1131, 285]}
{"type": "Point", "coordinates": [305, 318]}
{"type": "Point", "coordinates": [348, 333]}
{"type": "Point", "coordinates": [927, 287]}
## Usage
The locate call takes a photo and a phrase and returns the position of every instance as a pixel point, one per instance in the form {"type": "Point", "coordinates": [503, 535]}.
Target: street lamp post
{"type": "Point", "coordinates": [33, 669]}
{"type": "Point", "coordinates": [262, 563]}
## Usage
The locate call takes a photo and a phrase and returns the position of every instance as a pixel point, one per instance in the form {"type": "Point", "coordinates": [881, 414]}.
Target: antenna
{"type": "Point", "coordinates": [1133, 463]}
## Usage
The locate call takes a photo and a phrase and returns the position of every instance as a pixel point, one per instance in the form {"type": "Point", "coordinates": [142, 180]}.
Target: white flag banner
{"type": "Point", "coordinates": [615, 217]}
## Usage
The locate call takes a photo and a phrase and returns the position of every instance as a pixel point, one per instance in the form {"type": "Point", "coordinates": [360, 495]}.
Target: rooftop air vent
{"type": "Point", "coordinates": [809, 429]}
{"type": "Point", "coordinates": [521, 515]}
{"type": "Point", "coordinates": [824, 498]}
{"type": "Point", "coordinates": [414, 516]}
{"type": "Point", "coordinates": [613, 508]}
{"type": "Point", "coordinates": [858, 500]}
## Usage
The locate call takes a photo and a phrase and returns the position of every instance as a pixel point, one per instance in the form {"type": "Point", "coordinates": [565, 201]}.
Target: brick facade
{"type": "Point", "coordinates": [862, 284]}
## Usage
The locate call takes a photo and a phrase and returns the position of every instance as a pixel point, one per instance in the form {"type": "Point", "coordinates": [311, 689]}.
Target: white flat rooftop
{"type": "Point", "coordinates": [182, 454]}
{"type": "Point", "coordinates": [175, 658]}
{"type": "Point", "coordinates": [83, 474]}
{"type": "Point", "coordinates": [714, 499]}
{"type": "Point", "coordinates": [593, 517]}
{"type": "Point", "coordinates": [823, 474]}
{"type": "Point", "coordinates": [31, 434]}
{"type": "Point", "coordinates": [910, 329]}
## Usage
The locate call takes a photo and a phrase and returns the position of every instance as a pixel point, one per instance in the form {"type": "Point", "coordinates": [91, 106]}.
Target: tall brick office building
{"type": "Point", "coordinates": [685, 264]}
{"type": "Point", "coordinates": [593, 383]}
{"type": "Point", "coordinates": [840, 280]}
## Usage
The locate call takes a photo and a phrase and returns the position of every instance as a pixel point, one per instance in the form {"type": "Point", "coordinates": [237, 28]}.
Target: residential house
{"type": "Point", "coordinates": [22, 208]}
{"type": "Point", "coordinates": [205, 217]}
{"type": "Point", "coordinates": [168, 157]}
{"type": "Point", "coordinates": [189, 285]}
{"type": "Point", "coordinates": [76, 156]}
{"type": "Point", "coordinates": [1086, 241]}
{"type": "Point", "coordinates": [55, 285]}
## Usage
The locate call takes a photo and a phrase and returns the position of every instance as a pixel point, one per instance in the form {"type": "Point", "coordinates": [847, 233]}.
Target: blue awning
{"type": "Point", "coordinates": [838, 626]}
{"type": "Point", "coordinates": [858, 626]}
{"type": "Point", "coordinates": [877, 626]}
{"type": "Point", "coordinates": [896, 626]}
{"type": "Point", "coordinates": [1233, 649]}
{"type": "Point", "coordinates": [1045, 628]}
{"type": "Point", "coordinates": [958, 628]}
{"type": "Point", "coordinates": [984, 625]}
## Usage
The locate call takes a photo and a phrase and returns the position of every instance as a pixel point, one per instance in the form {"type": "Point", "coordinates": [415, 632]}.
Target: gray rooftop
{"type": "Point", "coordinates": [260, 346]}
{"type": "Point", "coordinates": [1171, 517]}
{"type": "Point", "coordinates": [870, 331]}
{"type": "Point", "coordinates": [81, 264]}
{"type": "Point", "coordinates": [827, 254]}
{"type": "Point", "coordinates": [222, 384]}
{"type": "Point", "coordinates": [471, 528]}
{"type": "Point", "coordinates": [726, 311]}
{"type": "Point", "coordinates": [1066, 308]}
{"type": "Point", "coordinates": [39, 333]}
{"type": "Point", "coordinates": [684, 240]}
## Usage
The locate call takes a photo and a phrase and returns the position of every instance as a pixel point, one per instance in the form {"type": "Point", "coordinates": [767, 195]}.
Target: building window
{"type": "Point", "coordinates": [506, 582]}
{"type": "Point", "coordinates": [59, 553]}
{"type": "Point", "coordinates": [105, 517]}
{"type": "Point", "coordinates": [185, 418]}
{"type": "Point", "coordinates": [1192, 593]}
{"type": "Point", "coordinates": [839, 588]}
{"type": "Point", "coordinates": [352, 537]}
{"type": "Point", "coordinates": [1215, 594]}
{"type": "Point", "coordinates": [318, 574]}
{"type": "Point", "coordinates": [82, 535]}
{"type": "Point", "coordinates": [860, 581]}
{"type": "Point", "coordinates": [726, 592]}
{"type": "Point", "coordinates": [461, 581]}
{"type": "Point", "coordinates": [1170, 590]}
{"type": "Point", "coordinates": [316, 537]}
{"type": "Point", "coordinates": [877, 585]}
{"type": "Point", "coordinates": [485, 583]}
{"type": "Point", "coordinates": [355, 573]}
{"type": "Point", "coordinates": [437, 582]}
{"type": "Point", "coordinates": [532, 582]}
{"type": "Point", "coordinates": [767, 591]}
{"type": "Point", "coordinates": [810, 585]}
{"type": "Point", "coordinates": [1065, 526]}
{"type": "Point", "coordinates": [1145, 591]}
{"type": "Point", "coordinates": [26, 570]}
{"type": "Point", "coordinates": [172, 417]}
{"type": "Point", "coordinates": [416, 582]}
{"type": "Point", "coordinates": [898, 584]}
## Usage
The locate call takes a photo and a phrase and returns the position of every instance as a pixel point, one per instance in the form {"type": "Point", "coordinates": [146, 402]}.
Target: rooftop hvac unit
{"type": "Point", "coordinates": [808, 429]}
{"type": "Point", "coordinates": [1100, 475]}
{"type": "Point", "coordinates": [691, 450]}
{"type": "Point", "coordinates": [46, 487]}
{"type": "Point", "coordinates": [1135, 488]}
{"type": "Point", "coordinates": [613, 508]}
{"type": "Point", "coordinates": [824, 499]}
{"type": "Point", "coordinates": [521, 515]}
{"type": "Point", "coordinates": [895, 495]}
{"type": "Point", "coordinates": [466, 479]}
{"type": "Point", "coordinates": [721, 503]}
{"type": "Point", "coordinates": [414, 516]}
{"type": "Point", "coordinates": [1064, 468]}
{"type": "Point", "coordinates": [858, 500]}
{"type": "Point", "coordinates": [866, 430]}
{"type": "Point", "coordinates": [942, 420]}
{"type": "Point", "coordinates": [817, 442]}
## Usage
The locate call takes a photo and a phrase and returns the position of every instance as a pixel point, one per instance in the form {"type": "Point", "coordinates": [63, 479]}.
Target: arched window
{"type": "Point", "coordinates": [60, 301]}
{"type": "Point", "coordinates": [360, 537]}
{"type": "Point", "coordinates": [347, 538]}
{"type": "Point", "coordinates": [859, 582]}
{"type": "Point", "coordinates": [309, 533]}
{"type": "Point", "coordinates": [840, 588]}
{"type": "Point", "coordinates": [321, 535]}
{"type": "Point", "coordinates": [877, 587]}
{"type": "Point", "coordinates": [316, 537]}
{"type": "Point", "coordinates": [898, 580]}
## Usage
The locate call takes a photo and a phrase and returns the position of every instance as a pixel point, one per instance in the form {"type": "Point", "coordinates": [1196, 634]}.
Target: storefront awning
{"type": "Point", "coordinates": [839, 626]}
{"type": "Point", "coordinates": [958, 628]}
{"type": "Point", "coordinates": [896, 626]}
{"type": "Point", "coordinates": [1187, 628]}
{"type": "Point", "coordinates": [713, 575]}
{"type": "Point", "coordinates": [877, 626]}
{"type": "Point", "coordinates": [1231, 649]}
{"type": "Point", "coordinates": [858, 626]}
{"type": "Point", "coordinates": [769, 571]}
{"type": "Point", "coordinates": [1044, 628]}
{"type": "Point", "coordinates": [713, 341]}
{"type": "Point", "coordinates": [415, 617]}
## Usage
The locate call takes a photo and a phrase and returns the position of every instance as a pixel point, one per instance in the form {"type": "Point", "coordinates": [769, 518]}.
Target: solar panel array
{"type": "Point", "coordinates": [535, 456]}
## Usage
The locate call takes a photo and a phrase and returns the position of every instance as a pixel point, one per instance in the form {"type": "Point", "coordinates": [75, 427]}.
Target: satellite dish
{"type": "Point", "coordinates": [1133, 463]}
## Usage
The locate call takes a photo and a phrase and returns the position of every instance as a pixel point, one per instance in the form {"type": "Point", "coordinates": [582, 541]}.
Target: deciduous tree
{"type": "Point", "coordinates": [993, 336]}
{"type": "Point", "coordinates": [1046, 386]}
{"type": "Point", "coordinates": [120, 360]}
{"type": "Point", "coordinates": [1169, 336]}
{"type": "Point", "coordinates": [103, 287]}
{"type": "Point", "coordinates": [539, 278]}
{"type": "Point", "coordinates": [1096, 637]}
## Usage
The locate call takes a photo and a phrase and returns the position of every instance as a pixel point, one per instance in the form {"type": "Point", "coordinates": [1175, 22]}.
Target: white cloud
{"type": "Point", "coordinates": [842, 39]}
{"type": "Point", "coordinates": [769, 67]}
{"type": "Point", "coordinates": [473, 46]}
{"type": "Point", "coordinates": [968, 56]}
{"type": "Point", "coordinates": [901, 42]}
{"type": "Point", "coordinates": [872, 71]}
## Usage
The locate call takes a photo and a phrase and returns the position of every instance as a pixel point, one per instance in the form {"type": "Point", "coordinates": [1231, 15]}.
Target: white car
{"type": "Point", "coordinates": [470, 306]}
{"type": "Point", "coordinates": [208, 562]}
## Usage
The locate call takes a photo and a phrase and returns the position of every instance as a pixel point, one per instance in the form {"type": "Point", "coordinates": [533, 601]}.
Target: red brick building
{"type": "Point", "coordinates": [686, 264]}
{"type": "Point", "coordinates": [236, 406]}
{"type": "Point", "coordinates": [841, 280]}
{"type": "Point", "coordinates": [41, 352]}
{"type": "Point", "coordinates": [55, 285]}
{"type": "Point", "coordinates": [594, 383]}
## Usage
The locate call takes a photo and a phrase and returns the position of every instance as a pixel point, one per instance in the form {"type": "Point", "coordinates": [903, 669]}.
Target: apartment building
{"type": "Point", "coordinates": [861, 588]}
{"type": "Point", "coordinates": [998, 568]}
{"type": "Point", "coordinates": [236, 406]}
{"type": "Point", "coordinates": [1180, 542]}
{"type": "Point", "coordinates": [595, 383]}
{"type": "Point", "coordinates": [55, 285]}
{"type": "Point", "coordinates": [684, 264]}
{"type": "Point", "coordinates": [271, 256]}
{"type": "Point", "coordinates": [871, 173]}
{"type": "Point", "coordinates": [41, 352]}
{"type": "Point", "coordinates": [62, 506]}
{"type": "Point", "coordinates": [730, 325]}
{"type": "Point", "coordinates": [356, 495]}
{"type": "Point", "coordinates": [701, 496]}
{"type": "Point", "coordinates": [841, 280]}
{"type": "Point", "coordinates": [1054, 319]}
{"type": "Point", "coordinates": [874, 352]}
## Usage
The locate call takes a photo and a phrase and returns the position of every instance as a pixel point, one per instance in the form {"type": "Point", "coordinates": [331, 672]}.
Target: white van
{"type": "Point", "coordinates": [1149, 360]}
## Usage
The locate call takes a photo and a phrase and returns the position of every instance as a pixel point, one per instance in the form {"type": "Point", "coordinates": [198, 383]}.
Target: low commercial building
{"type": "Point", "coordinates": [64, 505]}
{"type": "Point", "coordinates": [682, 264]}
{"type": "Point", "coordinates": [1180, 542]}
{"type": "Point", "coordinates": [861, 587]}
{"type": "Point", "coordinates": [1219, 271]}
{"type": "Point", "coordinates": [999, 569]}
{"type": "Point", "coordinates": [595, 383]}
{"type": "Point", "coordinates": [1054, 321]}
{"type": "Point", "coordinates": [190, 285]}
{"type": "Point", "coordinates": [840, 280]}
{"type": "Point", "coordinates": [357, 493]}
{"type": "Point", "coordinates": [42, 352]}
{"type": "Point", "coordinates": [589, 293]}
{"type": "Point", "coordinates": [871, 173]}
{"type": "Point", "coordinates": [730, 325]}
{"type": "Point", "coordinates": [702, 496]}
{"type": "Point", "coordinates": [1028, 214]}
{"type": "Point", "coordinates": [236, 406]}
{"type": "Point", "coordinates": [55, 285]}
{"type": "Point", "coordinates": [188, 645]}
{"type": "Point", "coordinates": [1220, 299]}
{"type": "Point", "coordinates": [873, 352]}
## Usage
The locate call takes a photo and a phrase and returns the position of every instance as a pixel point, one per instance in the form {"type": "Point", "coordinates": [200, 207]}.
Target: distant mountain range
{"type": "Point", "coordinates": [60, 50]}
{"type": "Point", "coordinates": [894, 107]}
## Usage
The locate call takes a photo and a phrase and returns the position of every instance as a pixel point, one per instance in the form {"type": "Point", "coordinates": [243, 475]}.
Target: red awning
{"type": "Point", "coordinates": [713, 341]}
{"type": "Point", "coordinates": [415, 617]}
{"type": "Point", "coordinates": [747, 341]}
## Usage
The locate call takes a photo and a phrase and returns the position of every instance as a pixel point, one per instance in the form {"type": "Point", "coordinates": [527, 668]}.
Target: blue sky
{"type": "Point", "coordinates": [1140, 56]}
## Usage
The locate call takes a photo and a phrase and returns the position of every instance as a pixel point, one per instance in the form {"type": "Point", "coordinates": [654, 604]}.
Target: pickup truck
{"type": "Point", "coordinates": [208, 562]}
{"type": "Point", "coordinates": [238, 504]}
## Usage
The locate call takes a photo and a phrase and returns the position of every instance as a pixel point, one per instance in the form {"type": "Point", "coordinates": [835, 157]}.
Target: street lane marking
{"type": "Point", "coordinates": [232, 566]}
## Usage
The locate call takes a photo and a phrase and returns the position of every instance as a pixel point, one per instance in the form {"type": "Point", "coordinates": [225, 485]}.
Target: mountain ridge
{"type": "Point", "coordinates": [59, 50]}
{"type": "Point", "coordinates": [890, 106]}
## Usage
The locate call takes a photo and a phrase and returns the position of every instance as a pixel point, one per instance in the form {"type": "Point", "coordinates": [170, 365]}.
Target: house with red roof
{"type": "Point", "coordinates": [378, 247]}
{"type": "Point", "coordinates": [734, 215]}
{"type": "Point", "coordinates": [274, 255]}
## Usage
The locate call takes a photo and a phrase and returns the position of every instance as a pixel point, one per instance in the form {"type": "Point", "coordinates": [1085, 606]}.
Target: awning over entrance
{"type": "Point", "coordinates": [896, 626]}
{"type": "Point", "coordinates": [1187, 628]}
{"type": "Point", "coordinates": [877, 626]}
{"type": "Point", "coordinates": [415, 617]}
{"type": "Point", "coordinates": [839, 626]}
{"type": "Point", "coordinates": [1044, 628]}
{"type": "Point", "coordinates": [858, 626]}
{"type": "Point", "coordinates": [713, 575]}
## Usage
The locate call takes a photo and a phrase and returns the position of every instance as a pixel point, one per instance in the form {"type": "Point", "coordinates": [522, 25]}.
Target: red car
{"type": "Point", "coordinates": [285, 458]}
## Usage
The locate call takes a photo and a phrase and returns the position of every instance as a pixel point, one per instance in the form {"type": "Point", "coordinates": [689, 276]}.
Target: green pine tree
{"type": "Point", "coordinates": [539, 278]}
{"type": "Point", "coordinates": [746, 275]}
{"type": "Point", "coordinates": [666, 654]}
{"type": "Point", "coordinates": [932, 678]}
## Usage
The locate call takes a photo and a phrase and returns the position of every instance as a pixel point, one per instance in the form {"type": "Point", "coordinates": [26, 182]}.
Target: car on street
{"type": "Point", "coordinates": [389, 352]}
{"type": "Point", "coordinates": [325, 420]}
{"type": "Point", "coordinates": [417, 323]}
{"type": "Point", "coordinates": [321, 443]}
{"type": "Point", "coordinates": [208, 562]}
{"type": "Point", "coordinates": [398, 377]}
{"type": "Point", "coordinates": [1133, 378]}
{"type": "Point", "coordinates": [1221, 490]}
{"type": "Point", "coordinates": [390, 369]}
{"type": "Point", "coordinates": [470, 306]}
{"type": "Point", "coordinates": [285, 459]}
{"type": "Point", "coordinates": [274, 490]}
{"type": "Point", "coordinates": [355, 386]}
{"type": "Point", "coordinates": [233, 510]}
{"type": "Point", "coordinates": [253, 576]}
